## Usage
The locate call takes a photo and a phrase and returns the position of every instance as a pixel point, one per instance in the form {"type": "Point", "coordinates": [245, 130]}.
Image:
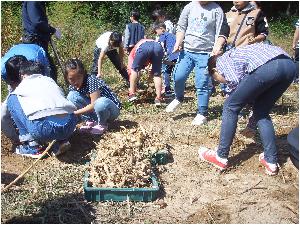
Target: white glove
{"type": "Point", "coordinates": [57, 33]}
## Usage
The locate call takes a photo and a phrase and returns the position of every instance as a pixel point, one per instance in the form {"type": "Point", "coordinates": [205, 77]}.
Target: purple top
{"type": "Point", "coordinates": [238, 62]}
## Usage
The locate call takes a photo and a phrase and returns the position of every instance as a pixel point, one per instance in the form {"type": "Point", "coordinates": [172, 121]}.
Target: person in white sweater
{"type": "Point", "coordinates": [41, 112]}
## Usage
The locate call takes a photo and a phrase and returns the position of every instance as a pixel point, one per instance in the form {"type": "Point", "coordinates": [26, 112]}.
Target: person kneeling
{"type": "Point", "coordinates": [40, 112]}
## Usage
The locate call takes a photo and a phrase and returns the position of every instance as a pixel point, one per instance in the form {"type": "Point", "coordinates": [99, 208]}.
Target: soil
{"type": "Point", "coordinates": [191, 191]}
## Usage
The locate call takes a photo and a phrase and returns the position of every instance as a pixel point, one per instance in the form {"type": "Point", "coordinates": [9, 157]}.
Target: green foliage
{"type": "Point", "coordinates": [283, 25]}
{"type": "Point", "coordinates": [82, 23]}
{"type": "Point", "coordinates": [282, 31]}
{"type": "Point", "coordinates": [78, 29]}
{"type": "Point", "coordinates": [115, 14]}
{"type": "Point", "coordinates": [11, 24]}
{"type": "Point", "coordinates": [4, 90]}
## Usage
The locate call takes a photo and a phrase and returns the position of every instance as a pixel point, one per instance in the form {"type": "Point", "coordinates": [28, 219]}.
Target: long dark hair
{"type": "Point", "coordinates": [74, 64]}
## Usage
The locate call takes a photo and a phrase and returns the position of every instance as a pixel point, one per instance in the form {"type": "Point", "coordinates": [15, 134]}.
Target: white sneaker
{"type": "Point", "coordinates": [173, 106]}
{"type": "Point", "coordinates": [199, 120]}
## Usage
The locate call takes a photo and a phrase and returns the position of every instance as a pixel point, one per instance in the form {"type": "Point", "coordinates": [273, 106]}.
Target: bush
{"type": "Point", "coordinates": [81, 24]}
{"type": "Point", "coordinates": [282, 32]}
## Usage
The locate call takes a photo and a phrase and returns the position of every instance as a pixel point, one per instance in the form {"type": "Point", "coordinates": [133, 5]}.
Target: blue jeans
{"type": "Point", "coordinates": [43, 129]}
{"type": "Point", "coordinates": [263, 88]}
{"type": "Point", "coordinates": [187, 61]}
{"type": "Point", "coordinates": [105, 110]}
{"type": "Point", "coordinates": [167, 72]}
{"type": "Point", "coordinates": [7, 125]}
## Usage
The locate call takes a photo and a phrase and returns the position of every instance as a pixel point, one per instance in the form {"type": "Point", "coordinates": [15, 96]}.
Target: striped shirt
{"type": "Point", "coordinates": [233, 65]}
{"type": "Point", "coordinates": [92, 84]}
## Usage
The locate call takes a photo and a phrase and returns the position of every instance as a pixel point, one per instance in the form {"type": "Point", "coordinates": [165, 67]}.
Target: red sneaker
{"type": "Point", "coordinates": [271, 169]}
{"type": "Point", "coordinates": [211, 157]}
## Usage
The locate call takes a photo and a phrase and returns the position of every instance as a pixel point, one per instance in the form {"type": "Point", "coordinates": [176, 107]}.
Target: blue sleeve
{"type": "Point", "coordinates": [161, 38]}
{"type": "Point", "coordinates": [37, 14]}
{"type": "Point", "coordinates": [170, 42]}
{"type": "Point", "coordinates": [143, 32]}
{"type": "Point", "coordinates": [42, 57]}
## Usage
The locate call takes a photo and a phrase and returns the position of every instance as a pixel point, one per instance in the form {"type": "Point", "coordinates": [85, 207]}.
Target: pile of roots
{"type": "Point", "coordinates": [123, 159]}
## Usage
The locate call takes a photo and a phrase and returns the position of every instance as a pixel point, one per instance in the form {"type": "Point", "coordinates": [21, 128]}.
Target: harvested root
{"type": "Point", "coordinates": [124, 159]}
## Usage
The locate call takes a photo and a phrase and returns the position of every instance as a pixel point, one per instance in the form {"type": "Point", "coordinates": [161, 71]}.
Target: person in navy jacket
{"type": "Point", "coordinates": [36, 28]}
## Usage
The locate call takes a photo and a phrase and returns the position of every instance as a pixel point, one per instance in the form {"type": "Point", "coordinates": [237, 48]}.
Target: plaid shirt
{"type": "Point", "coordinates": [238, 62]}
{"type": "Point", "coordinates": [297, 26]}
{"type": "Point", "coordinates": [91, 84]}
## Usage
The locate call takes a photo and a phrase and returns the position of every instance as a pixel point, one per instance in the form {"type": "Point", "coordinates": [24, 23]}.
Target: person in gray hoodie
{"type": "Point", "coordinates": [202, 27]}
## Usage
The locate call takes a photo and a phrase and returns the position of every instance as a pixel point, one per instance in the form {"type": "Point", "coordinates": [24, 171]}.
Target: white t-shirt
{"type": "Point", "coordinates": [103, 42]}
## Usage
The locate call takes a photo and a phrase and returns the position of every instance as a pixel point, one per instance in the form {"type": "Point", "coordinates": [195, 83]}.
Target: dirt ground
{"type": "Point", "coordinates": [191, 191]}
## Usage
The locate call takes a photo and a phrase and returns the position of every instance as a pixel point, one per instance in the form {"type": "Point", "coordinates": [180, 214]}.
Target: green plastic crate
{"type": "Point", "coordinates": [93, 194]}
{"type": "Point", "coordinates": [161, 157]}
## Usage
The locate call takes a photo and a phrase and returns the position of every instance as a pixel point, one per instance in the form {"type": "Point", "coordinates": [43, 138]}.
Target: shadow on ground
{"type": "Point", "coordinates": [70, 209]}
{"type": "Point", "coordinates": [256, 148]}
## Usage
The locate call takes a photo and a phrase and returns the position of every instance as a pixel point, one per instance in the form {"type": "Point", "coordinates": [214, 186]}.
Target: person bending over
{"type": "Point", "coordinates": [258, 78]}
{"type": "Point", "coordinates": [145, 52]}
{"type": "Point", "coordinates": [107, 44]}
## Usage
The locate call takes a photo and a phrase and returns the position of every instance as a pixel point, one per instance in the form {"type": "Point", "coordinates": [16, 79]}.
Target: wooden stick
{"type": "Point", "coordinates": [250, 188]}
{"type": "Point", "coordinates": [281, 172]}
{"type": "Point", "coordinates": [21, 175]}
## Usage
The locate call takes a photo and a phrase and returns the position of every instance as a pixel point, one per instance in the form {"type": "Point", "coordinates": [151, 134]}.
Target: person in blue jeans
{"type": "Point", "coordinates": [13, 79]}
{"type": "Point", "coordinates": [257, 78]}
{"type": "Point", "coordinates": [40, 112]}
{"type": "Point", "coordinates": [202, 27]}
{"type": "Point", "coordinates": [96, 104]}
{"type": "Point", "coordinates": [10, 66]}
{"type": "Point", "coordinates": [167, 41]}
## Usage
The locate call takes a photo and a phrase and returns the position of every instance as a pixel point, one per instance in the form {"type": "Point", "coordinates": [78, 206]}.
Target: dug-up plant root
{"type": "Point", "coordinates": [123, 159]}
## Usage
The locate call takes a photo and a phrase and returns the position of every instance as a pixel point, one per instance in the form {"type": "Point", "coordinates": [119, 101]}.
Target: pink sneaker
{"type": "Point", "coordinates": [211, 157]}
{"type": "Point", "coordinates": [98, 129]}
{"type": "Point", "coordinates": [87, 127]}
{"type": "Point", "coordinates": [271, 169]}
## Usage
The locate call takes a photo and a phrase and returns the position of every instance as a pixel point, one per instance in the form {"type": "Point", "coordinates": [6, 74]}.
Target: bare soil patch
{"type": "Point", "coordinates": [191, 191]}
